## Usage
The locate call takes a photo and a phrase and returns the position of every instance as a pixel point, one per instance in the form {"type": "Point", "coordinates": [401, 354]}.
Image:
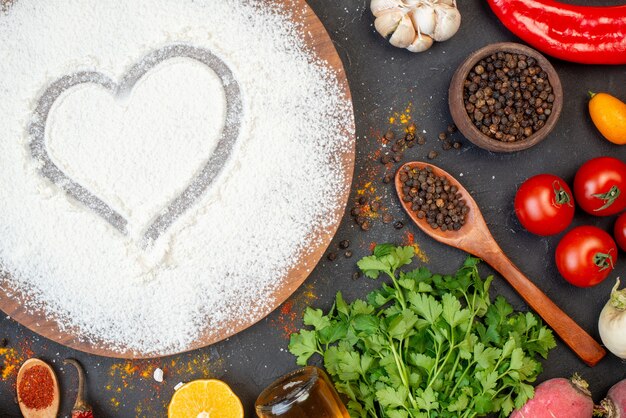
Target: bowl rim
{"type": "Point", "coordinates": [462, 119]}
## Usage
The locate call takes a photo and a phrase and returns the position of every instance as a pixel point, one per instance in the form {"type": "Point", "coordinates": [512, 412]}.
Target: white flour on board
{"type": "Point", "coordinates": [225, 255]}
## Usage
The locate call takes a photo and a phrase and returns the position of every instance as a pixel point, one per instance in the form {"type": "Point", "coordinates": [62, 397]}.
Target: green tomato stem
{"type": "Point", "coordinates": [608, 198]}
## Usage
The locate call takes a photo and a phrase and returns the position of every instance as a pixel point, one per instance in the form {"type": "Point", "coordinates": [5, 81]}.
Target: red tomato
{"type": "Point", "coordinates": [544, 204]}
{"type": "Point", "coordinates": [600, 186]}
{"type": "Point", "coordinates": [619, 231]}
{"type": "Point", "coordinates": [586, 256]}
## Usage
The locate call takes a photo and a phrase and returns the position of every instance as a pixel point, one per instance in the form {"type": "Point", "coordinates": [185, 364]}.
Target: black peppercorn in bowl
{"type": "Point", "coordinates": [505, 97]}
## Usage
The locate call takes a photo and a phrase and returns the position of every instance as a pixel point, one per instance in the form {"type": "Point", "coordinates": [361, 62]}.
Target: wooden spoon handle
{"type": "Point", "coordinates": [569, 331]}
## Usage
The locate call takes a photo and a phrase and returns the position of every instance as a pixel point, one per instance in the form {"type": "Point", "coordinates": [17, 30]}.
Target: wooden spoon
{"type": "Point", "coordinates": [474, 237]}
{"type": "Point", "coordinates": [52, 410]}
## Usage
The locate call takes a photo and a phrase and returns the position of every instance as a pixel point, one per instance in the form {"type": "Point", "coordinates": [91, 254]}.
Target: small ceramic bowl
{"type": "Point", "coordinates": [465, 124]}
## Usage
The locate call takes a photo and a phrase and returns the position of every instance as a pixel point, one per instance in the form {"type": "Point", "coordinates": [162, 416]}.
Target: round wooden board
{"type": "Point", "coordinates": [319, 42]}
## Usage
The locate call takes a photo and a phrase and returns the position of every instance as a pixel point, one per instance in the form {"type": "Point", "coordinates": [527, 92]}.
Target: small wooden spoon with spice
{"type": "Point", "coordinates": [37, 390]}
{"type": "Point", "coordinates": [81, 408]}
{"type": "Point", "coordinates": [475, 238]}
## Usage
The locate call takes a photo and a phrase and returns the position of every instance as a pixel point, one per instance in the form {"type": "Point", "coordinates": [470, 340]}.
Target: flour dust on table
{"type": "Point", "coordinates": [163, 165]}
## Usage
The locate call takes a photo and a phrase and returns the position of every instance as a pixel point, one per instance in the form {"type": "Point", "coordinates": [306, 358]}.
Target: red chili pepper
{"type": "Point", "coordinates": [583, 34]}
{"type": "Point", "coordinates": [81, 408]}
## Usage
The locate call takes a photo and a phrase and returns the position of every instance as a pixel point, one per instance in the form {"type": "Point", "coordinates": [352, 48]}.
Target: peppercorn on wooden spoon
{"type": "Point", "coordinates": [24, 400]}
{"type": "Point", "coordinates": [475, 238]}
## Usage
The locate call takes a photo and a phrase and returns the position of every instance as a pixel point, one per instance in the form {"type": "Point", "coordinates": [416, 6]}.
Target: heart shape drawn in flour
{"type": "Point", "coordinates": [199, 182]}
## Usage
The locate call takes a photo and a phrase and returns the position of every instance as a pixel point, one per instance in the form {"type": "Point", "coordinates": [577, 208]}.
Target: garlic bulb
{"type": "Point", "coordinates": [612, 322]}
{"type": "Point", "coordinates": [416, 24]}
{"type": "Point", "coordinates": [404, 34]}
{"type": "Point", "coordinates": [379, 6]}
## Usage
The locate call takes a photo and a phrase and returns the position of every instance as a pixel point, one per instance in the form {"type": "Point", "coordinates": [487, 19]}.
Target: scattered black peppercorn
{"type": "Point", "coordinates": [365, 226]}
{"type": "Point", "coordinates": [331, 256]}
{"type": "Point", "coordinates": [442, 136]}
{"type": "Point", "coordinates": [398, 225]}
{"type": "Point", "coordinates": [4, 342]}
{"type": "Point", "coordinates": [387, 179]}
{"type": "Point", "coordinates": [432, 155]}
{"type": "Point", "coordinates": [348, 254]}
{"type": "Point", "coordinates": [356, 275]}
{"type": "Point", "coordinates": [344, 244]}
{"type": "Point", "coordinates": [387, 218]}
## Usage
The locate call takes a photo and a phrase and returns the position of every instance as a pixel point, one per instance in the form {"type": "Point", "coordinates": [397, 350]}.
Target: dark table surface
{"type": "Point", "coordinates": [384, 81]}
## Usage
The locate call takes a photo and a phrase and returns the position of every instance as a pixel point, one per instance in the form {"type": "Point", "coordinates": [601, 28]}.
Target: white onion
{"type": "Point", "coordinates": [612, 322]}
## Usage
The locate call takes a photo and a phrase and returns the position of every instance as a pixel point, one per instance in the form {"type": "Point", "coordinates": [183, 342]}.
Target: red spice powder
{"type": "Point", "coordinates": [287, 318]}
{"type": "Point", "coordinates": [82, 414]}
{"type": "Point", "coordinates": [36, 389]}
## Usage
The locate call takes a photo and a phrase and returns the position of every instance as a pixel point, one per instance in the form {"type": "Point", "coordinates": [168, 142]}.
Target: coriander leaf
{"type": "Point", "coordinates": [403, 256]}
{"type": "Point", "coordinates": [372, 267]}
{"type": "Point", "coordinates": [361, 307]}
{"type": "Point", "coordinates": [393, 377]}
{"type": "Point", "coordinates": [466, 346]}
{"type": "Point", "coordinates": [426, 399]}
{"type": "Point", "coordinates": [545, 341]}
{"type": "Point", "coordinates": [397, 413]}
{"type": "Point", "coordinates": [424, 288]}
{"type": "Point", "coordinates": [422, 360]}
{"type": "Point", "coordinates": [459, 404]}
{"type": "Point", "coordinates": [382, 250]}
{"type": "Point", "coordinates": [303, 345]}
{"type": "Point", "coordinates": [333, 333]}
{"type": "Point", "coordinates": [315, 318]}
{"type": "Point", "coordinates": [531, 321]}
{"type": "Point", "coordinates": [356, 410]}
{"type": "Point", "coordinates": [418, 275]}
{"type": "Point", "coordinates": [487, 380]}
{"type": "Point", "coordinates": [348, 390]}
{"type": "Point", "coordinates": [486, 357]}
{"type": "Point", "coordinates": [415, 379]}
{"type": "Point", "coordinates": [529, 369]}
{"type": "Point", "coordinates": [408, 284]}
{"type": "Point", "coordinates": [483, 404]}
{"type": "Point", "coordinates": [332, 360]}
{"type": "Point", "coordinates": [506, 405]}
{"type": "Point", "coordinates": [508, 348]}
{"type": "Point", "coordinates": [426, 306]}
{"type": "Point", "coordinates": [487, 284]}
{"type": "Point", "coordinates": [471, 262]}
{"type": "Point", "coordinates": [452, 312]}
{"type": "Point", "coordinates": [375, 343]}
{"type": "Point", "coordinates": [390, 397]}
{"type": "Point", "coordinates": [365, 324]}
{"type": "Point", "coordinates": [377, 299]}
{"type": "Point", "coordinates": [366, 362]}
{"type": "Point", "coordinates": [517, 359]}
{"type": "Point", "coordinates": [349, 365]}
{"type": "Point", "coordinates": [402, 325]}
{"type": "Point", "coordinates": [341, 305]}
{"type": "Point", "coordinates": [524, 393]}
